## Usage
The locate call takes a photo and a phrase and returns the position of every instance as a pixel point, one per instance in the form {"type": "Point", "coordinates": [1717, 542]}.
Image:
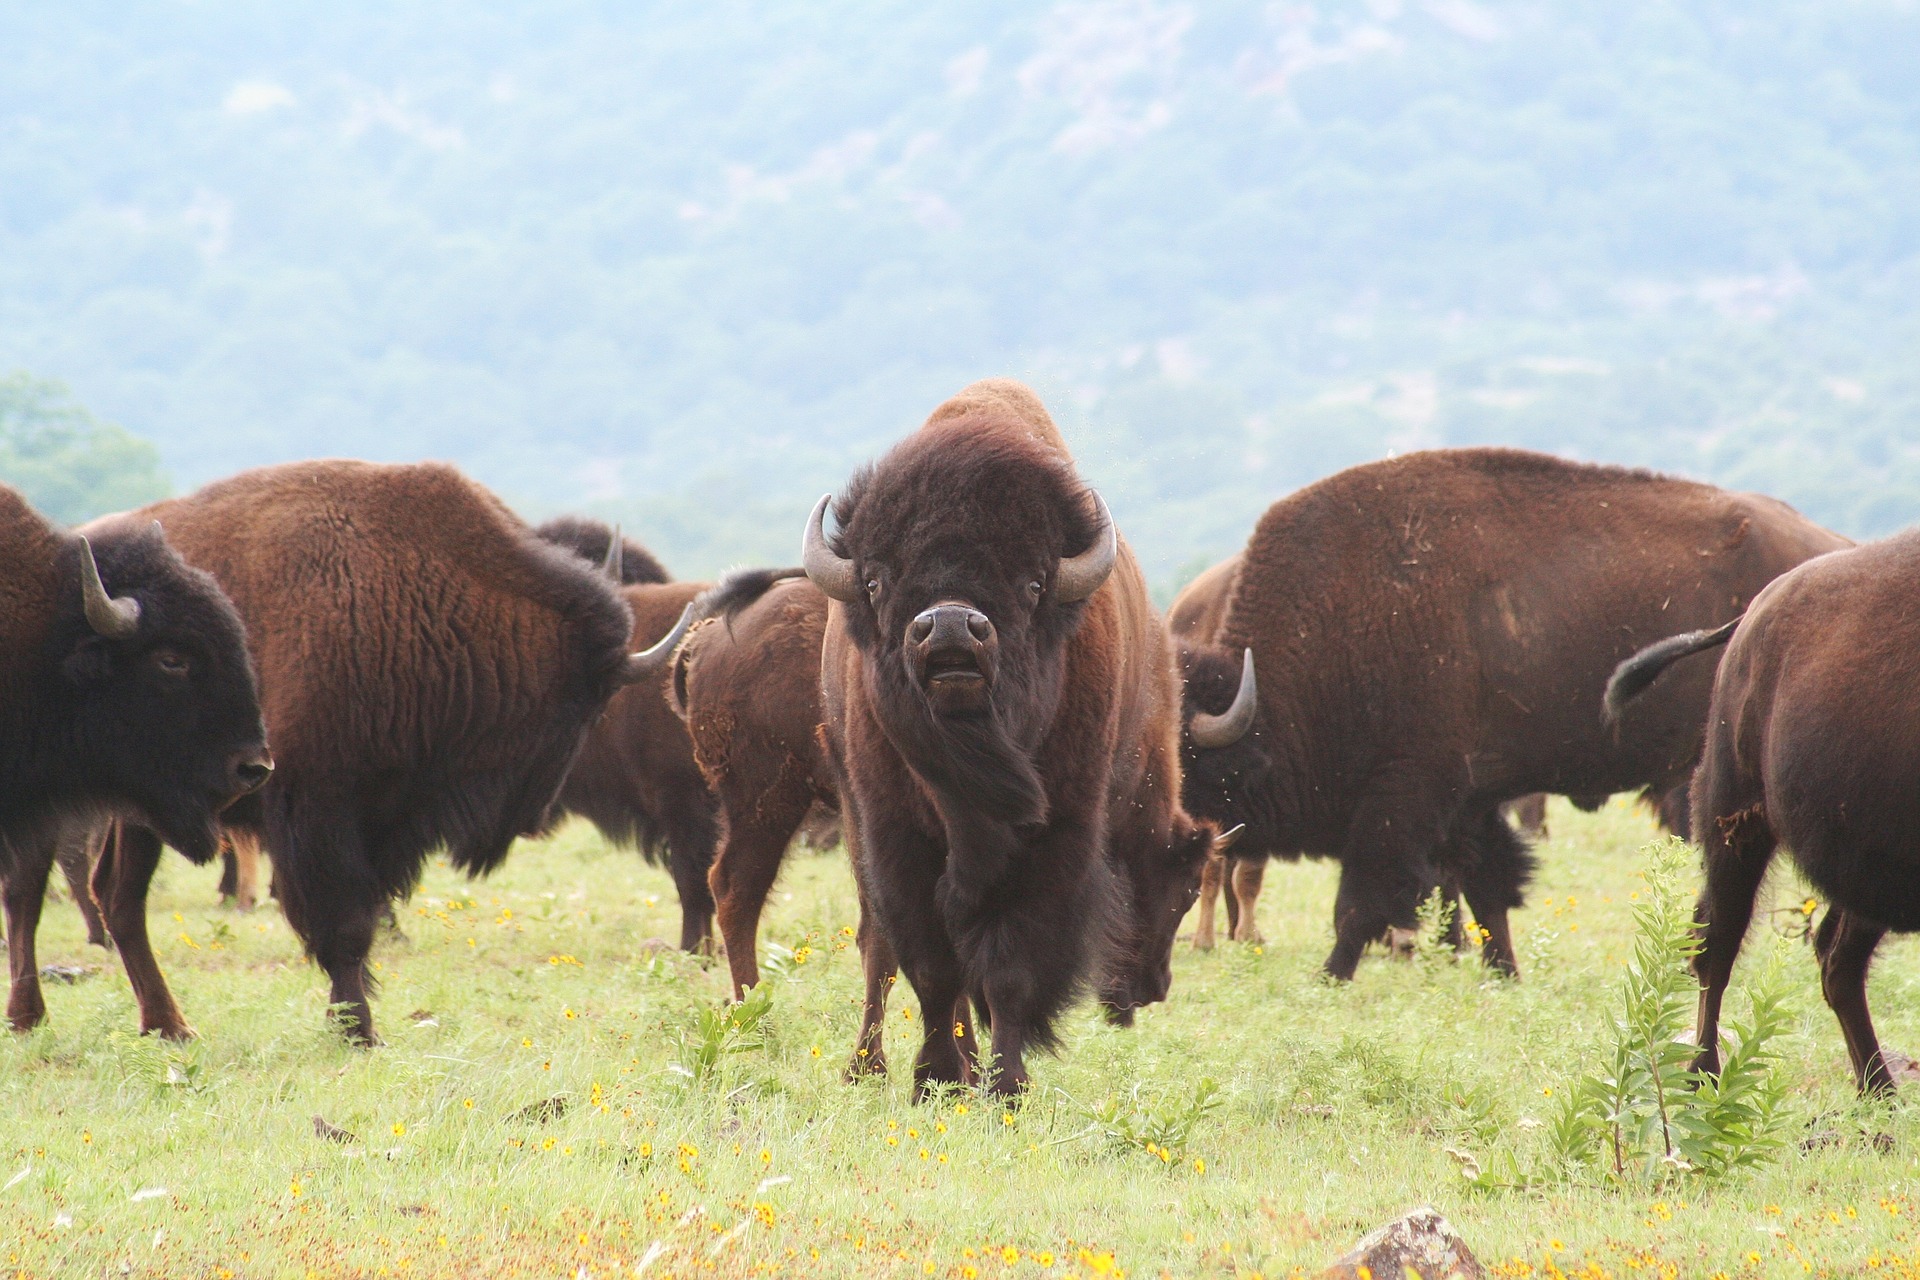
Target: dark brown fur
{"type": "Point", "coordinates": [986, 841]}
{"type": "Point", "coordinates": [1811, 745]}
{"type": "Point", "coordinates": [1432, 634]}
{"type": "Point", "coordinates": [428, 669]}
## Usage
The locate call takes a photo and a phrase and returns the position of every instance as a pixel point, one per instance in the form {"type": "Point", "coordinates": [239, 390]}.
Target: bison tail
{"type": "Point", "coordinates": [737, 589]}
{"type": "Point", "coordinates": [1632, 677]}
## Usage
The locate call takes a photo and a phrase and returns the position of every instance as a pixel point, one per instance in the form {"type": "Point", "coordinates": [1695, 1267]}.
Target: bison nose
{"type": "Point", "coordinates": [251, 771]}
{"type": "Point", "coordinates": [944, 626]}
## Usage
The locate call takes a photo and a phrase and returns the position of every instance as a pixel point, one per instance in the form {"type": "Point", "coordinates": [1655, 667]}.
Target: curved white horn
{"type": "Point", "coordinates": [614, 566]}
{"type": "Point", "coordinates": [829, 572]}
{"type": "Point", "coordinates": [1231, 725]}
{"type": "Point", "coordinates": [650, 661]}
{"type": "Point", "coordinates": [1080, 576]}
{"type": "Point", "coordinates": [114, 619]}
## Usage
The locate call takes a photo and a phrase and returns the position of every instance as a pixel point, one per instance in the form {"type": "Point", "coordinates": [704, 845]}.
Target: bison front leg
{"type": "Point", "coordinates": [1497, 868]}
{"type": "Point", "coordinates": [78, 849]}
{"type": "Point", "coordinates": [240, 874]}
{"type": "Point", "coordinates": [759, 826]}
{"type": "Point", "coordinates": [1212, 876]}
{"type": "Point", "coordinates": [120, 883]}
{"type": "Point", "coordinates": [1384, 870]}
{"type": "Point", "coordinates": [1248, 876]}
{"type": "Point", "coordinates": [25, 894]}
{"type": "Point", "coordinates": [332, 898]}
{"type": "Point", "coordinates": [880, 969]}
{"type": "Point", "coordinates": [692, 830]}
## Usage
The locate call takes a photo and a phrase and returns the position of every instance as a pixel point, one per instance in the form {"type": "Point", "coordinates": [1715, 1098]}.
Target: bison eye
{"type": "Point", "coordinates": [873, 589]}
{"type": "Point", "coordinates": [172, 662]}
{"type": "Point", "coordinates": [1035, 587]}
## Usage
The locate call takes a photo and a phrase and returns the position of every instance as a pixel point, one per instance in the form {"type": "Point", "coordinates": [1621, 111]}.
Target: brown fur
{"type": "Point", "coordinates": [1432, 634]}
{"type": "Point", "coordinates": [748, 685]}
{"type": "Point", "coordinates": [428, 668]}
{"type": "Point", "coordinates": [985, 847]}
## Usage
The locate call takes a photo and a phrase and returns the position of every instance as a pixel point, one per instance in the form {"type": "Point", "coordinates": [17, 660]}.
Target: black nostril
{"type": "Point", "coordinates": [978, 624]}
{"type": "Point", "coordinates": [920, 628]}
{"type": "Point", "coordinates": [252, 774]}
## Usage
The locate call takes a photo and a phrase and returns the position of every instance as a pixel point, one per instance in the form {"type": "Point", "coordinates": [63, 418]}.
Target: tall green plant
{"type": "Point", "coordinates": [1644, 1112]}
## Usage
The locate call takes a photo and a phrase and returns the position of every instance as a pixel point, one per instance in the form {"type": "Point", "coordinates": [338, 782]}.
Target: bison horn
{"type": "Point", "coordinates": [1080, 576]}
{"type": "Point", "coordinates": [829, 572]}
{"type": "Point", "coordinates": [1229, 838]}
{"type": "Point", "coordinates": [1230, 726]}
{"type": "Point", "coordinates": [614, 566]}
{"type": "Point", "coordinates": [648, 662]}
{"type": "Point", "coordinates": [114, 619]}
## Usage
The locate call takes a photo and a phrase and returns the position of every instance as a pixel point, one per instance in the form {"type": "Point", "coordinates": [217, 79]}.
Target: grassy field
{"type": "Point", "coordinates": [1337, 1105]}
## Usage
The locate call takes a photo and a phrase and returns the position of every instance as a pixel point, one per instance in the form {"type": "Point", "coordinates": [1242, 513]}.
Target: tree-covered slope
{"type": "Point", "coordinates": [687, 265]}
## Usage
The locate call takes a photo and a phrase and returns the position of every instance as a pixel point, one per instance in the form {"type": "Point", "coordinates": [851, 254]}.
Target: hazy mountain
{"type": "Point", "coordinates": [687, 265]}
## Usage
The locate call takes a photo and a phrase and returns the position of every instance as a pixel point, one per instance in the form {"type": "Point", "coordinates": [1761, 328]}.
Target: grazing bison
{"type": "Point", "coordinates": [635, 778]}
{"type": "Point", "coordinates": [622, 559]}
{"type": "Point", "coordinates": [1430, 633]}
{"type": "Point", "coordinates": [1001, 716]}
{"type": "Point", "coordinates": [747, 683]}
{"type": "Point", "coordinates": [429, 668]}
{"type": "Point", "coordinates": [1810, 744]}
{"type": "Point", "coordinates": [1194, 618]}
{"type": "Point", "coordinates": [125, 688]}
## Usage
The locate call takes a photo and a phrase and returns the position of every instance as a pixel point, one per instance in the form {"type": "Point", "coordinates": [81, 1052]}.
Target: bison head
{"type": "Point", "coordinates": [964, 560]}
{"type": "Point", "coordinates": [1162, 887]}
{"type": "Point", "coordinates": [165, 713]}
{"type": "Point", "coordinates": [1228, 772]}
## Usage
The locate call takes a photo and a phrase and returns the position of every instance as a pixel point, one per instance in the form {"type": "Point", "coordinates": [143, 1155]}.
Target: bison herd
{"type": "Point", "coordinates": [1035, 773]}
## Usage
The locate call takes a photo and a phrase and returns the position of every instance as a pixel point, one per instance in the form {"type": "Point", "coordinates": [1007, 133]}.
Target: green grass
{"type": "Point", "coordinates": [1337, 1106]}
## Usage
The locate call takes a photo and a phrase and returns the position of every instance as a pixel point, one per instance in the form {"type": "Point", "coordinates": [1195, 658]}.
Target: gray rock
{"type": "Point", "coordinates": [1422, 1244]}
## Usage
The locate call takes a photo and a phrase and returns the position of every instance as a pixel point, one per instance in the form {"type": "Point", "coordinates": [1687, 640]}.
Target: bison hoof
{"type": "Point", "coordinates": [1203, 942]}
{"type": "Point", "coordinates": [178, 1032]}
{"type": "Point", "coordinates": [866, 1063]}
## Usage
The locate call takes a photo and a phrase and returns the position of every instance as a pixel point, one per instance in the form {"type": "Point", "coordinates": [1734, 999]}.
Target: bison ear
{"type": "Point", "coordinates": [90, 662]}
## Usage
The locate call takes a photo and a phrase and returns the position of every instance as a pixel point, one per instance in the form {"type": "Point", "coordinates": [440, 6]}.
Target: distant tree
{"type": "Point", "coordinates": [71, 465]}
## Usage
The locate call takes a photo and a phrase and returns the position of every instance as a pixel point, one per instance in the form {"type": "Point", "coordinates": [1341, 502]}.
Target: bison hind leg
{"type": "Point", "coordinates": [1850, 944]}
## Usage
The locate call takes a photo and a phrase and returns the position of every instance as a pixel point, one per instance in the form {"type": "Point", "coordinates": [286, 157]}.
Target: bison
{"type": "Point", "coordinates": [1431, 632]}
{"type": "Point", "coordinates": [1194, 618]}
{"type": "Point", "coordinates": [747, 683]}
{"type": "Point", "coordinates": [125, 688]}
{"type": "Point", "coordinates": [635, 778]}
{"type": "Point", "coordinates": [429, 669]}
{"type": "Point", "coordinates": [1000, 704]}
{"type": "Point", "coordinates": [1810, 744]}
